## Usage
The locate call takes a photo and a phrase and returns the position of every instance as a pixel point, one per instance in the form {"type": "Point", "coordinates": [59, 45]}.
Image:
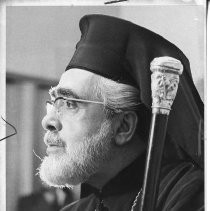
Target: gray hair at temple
{"type": "Point", "coordinates": [119, 97]}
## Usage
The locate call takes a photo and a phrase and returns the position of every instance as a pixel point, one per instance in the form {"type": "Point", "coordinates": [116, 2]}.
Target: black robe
{"type": "Point", "coordinates": [181, 189]}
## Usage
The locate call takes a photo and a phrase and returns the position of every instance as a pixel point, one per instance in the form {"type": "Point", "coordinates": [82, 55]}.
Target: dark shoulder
{"type": "Point", "coordinates": [181, 171]}
{"type": "Point", "coordinates": [181, 187]}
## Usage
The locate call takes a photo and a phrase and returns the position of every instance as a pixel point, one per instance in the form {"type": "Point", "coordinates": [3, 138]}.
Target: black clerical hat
{"type": "Point", "coordinates": [122, 51]}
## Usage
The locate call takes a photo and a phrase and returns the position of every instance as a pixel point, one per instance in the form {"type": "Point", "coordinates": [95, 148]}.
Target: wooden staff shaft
{"type": "Point", "coordinates": [153, 163]}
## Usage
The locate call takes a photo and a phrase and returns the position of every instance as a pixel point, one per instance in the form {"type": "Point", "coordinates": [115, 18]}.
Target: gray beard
{"type": "Point", "coordinates": [80, 161]}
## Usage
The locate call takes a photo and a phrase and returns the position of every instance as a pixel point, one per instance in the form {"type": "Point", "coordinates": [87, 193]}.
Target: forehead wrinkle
{"type": "Point", "coordinates": [85, 92]}
{"type": "Point", "coordinates": [88, 89]}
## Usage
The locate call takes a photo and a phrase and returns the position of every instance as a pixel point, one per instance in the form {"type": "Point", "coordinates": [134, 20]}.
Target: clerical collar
{"type": "Point", "coordinates": [129, 179]}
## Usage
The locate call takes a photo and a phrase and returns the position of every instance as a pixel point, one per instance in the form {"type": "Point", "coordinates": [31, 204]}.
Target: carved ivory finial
{"type": "Point", "coordinates": [165, 80]}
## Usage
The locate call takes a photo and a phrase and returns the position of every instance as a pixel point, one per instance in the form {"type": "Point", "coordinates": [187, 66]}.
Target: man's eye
{"type": "Point", "coordinates": [70, 104]}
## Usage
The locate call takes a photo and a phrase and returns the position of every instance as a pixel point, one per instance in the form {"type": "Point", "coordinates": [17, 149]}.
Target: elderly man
{"type": "Point", "coordinates": [98, 121]}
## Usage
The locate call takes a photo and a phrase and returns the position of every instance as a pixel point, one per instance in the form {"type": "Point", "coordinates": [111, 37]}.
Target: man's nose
{"type": "Point", "coordinates": [51, 122]}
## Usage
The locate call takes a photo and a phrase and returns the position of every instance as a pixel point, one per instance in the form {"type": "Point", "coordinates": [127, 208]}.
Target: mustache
{"type": "Point", "coordinates": [53, 139]}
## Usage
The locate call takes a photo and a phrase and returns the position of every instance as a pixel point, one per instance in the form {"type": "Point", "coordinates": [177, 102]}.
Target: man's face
{"type": "Point", "coordinates": [78, 139]}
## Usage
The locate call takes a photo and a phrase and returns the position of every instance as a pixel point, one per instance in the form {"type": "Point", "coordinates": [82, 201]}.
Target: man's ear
{"type": "Point", "coordinates": [126, 128]}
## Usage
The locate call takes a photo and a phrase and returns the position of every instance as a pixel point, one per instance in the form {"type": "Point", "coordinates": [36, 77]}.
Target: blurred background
{"type": "Point", "coordinates": [39, 44]}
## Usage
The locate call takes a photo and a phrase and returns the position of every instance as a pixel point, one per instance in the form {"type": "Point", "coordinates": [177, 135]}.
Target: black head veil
{"type": "Point", "coordinates": [122, 51]}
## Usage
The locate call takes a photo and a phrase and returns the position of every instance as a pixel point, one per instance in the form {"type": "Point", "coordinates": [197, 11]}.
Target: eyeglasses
{"type": "Point", "coordinates": [62, 104]}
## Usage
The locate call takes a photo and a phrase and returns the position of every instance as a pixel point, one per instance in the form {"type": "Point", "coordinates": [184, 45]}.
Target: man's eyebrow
{"type": "Point", "coordinates": [64, 92]}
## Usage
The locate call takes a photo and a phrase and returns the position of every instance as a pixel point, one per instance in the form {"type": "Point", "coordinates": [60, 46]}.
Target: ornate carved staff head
{"type": "Point", "coordinates": [165, 80]}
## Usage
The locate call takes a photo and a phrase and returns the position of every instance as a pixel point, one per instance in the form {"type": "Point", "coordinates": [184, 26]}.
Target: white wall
{"type": "Point", "coordinates": [41, 40]}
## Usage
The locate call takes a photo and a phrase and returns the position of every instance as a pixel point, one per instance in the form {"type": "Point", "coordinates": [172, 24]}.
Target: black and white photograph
{"type": "Point", "coordinates": [103, 105]}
